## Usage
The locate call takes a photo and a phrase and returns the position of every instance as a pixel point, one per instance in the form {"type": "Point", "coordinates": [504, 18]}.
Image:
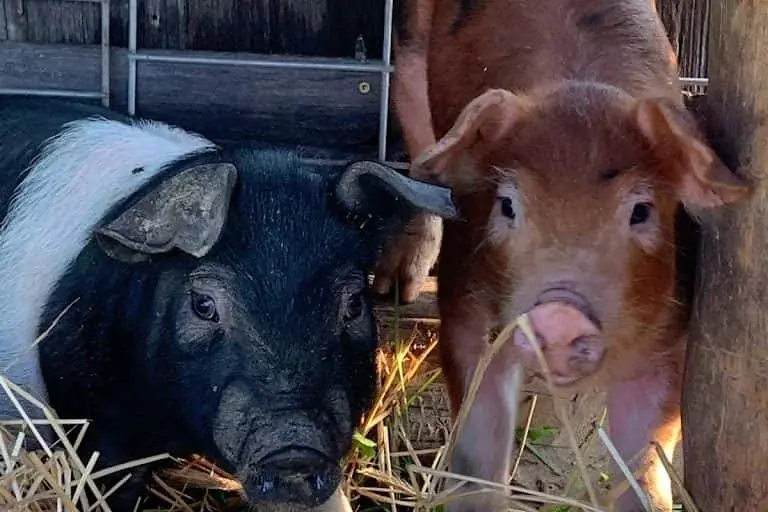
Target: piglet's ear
{"type": "Point", "coordinates": [700, 176]}
{"type": "Point", "coordinates": [487, 119]}
{"type": "Point", "coordinates": [370, 188]}
{"type": "Point", "coordinates": [186, 211]}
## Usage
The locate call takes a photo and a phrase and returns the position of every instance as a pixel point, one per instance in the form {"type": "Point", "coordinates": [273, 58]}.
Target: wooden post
{"type": "Point", "coordinates": [725, 398]}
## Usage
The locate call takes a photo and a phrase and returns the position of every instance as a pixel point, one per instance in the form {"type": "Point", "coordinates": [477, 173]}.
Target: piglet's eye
{"type": "Point", "coordinates": [507, 208]}
{"type": "Point", "coordinates": [353, 307]}
{"type": "Point", "coordinates": [640, 213]}
{"type": "Point", "coordinates": [204, 307]}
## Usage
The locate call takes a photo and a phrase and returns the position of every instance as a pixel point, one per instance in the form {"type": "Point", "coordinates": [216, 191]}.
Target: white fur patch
{"type": "Point", "coordinates": [79, 175]}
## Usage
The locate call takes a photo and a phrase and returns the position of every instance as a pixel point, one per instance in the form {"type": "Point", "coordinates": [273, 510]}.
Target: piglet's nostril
{"type": "Point", "coordinates": [586, 346]}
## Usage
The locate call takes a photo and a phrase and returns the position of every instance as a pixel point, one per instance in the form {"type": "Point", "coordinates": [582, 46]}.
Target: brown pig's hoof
{"type": "Point", "coordinates": [409, 257]}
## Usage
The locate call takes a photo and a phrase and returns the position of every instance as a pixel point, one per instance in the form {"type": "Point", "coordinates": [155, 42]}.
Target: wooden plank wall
{"type": "Point", "coordinates": [327, 28]}
{"type": "Point", "coordinates": [52, 21]}
{"type": "Point", "coordinates": [3, 23]}
{"type": "Point", "coordinates": [300, 27]}
{"type": "Point", "coordinates": [322, 109]}
{"type": "Point", "coordinates": [316, 107]}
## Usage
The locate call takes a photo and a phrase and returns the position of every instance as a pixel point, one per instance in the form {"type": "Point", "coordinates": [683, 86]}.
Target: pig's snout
{"type": "Point", "coordinates": [296, 475]}
{"type": "Point", "coordinates": [569, 337]}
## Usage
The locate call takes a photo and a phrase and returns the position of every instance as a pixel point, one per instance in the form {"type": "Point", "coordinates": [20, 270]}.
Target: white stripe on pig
{"type": "Point", "coordinates": [78, 176]}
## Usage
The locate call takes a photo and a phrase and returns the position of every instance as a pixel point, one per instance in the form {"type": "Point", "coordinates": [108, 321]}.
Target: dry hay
{"type": "Point", "coordinates": [51, 477]}
{"type": "Point", "coordinates": [383, 469]}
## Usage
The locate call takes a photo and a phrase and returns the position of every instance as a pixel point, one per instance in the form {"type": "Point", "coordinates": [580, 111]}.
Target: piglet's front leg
{"type": "Point", "coordinates": [640, 411]}
{"type": "Point", "coordinates": [485, 443]}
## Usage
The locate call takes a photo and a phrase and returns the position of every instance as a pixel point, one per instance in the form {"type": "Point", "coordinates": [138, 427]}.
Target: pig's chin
{"type": "Point", "coordinates": [276, 507]}
{"type": "Point", "coordinates": [573, 379]}
{"type": "Point", "coordinates": [567, 382]}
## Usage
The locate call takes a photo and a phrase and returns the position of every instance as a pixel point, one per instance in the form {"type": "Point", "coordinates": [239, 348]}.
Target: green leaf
{"type": "Point", "coordinates": [537, 434]}
{"type": "Point", "coordinates": [366, 446]}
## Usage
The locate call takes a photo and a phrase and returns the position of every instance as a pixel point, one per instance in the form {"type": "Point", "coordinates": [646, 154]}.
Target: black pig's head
{"type": "Point", "coordinates": [263, 340]}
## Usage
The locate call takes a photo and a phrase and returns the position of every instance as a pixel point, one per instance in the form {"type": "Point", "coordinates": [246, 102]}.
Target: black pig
{"type": "Point", "coordinates": [218, 295]}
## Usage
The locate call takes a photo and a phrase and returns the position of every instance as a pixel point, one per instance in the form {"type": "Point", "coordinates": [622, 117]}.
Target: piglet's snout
{"type": "Point", "coordinates": [572, 344]}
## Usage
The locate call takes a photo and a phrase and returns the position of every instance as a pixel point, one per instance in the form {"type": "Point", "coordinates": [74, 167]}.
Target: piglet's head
{"type": "Point", "coordinates": [572, 194]}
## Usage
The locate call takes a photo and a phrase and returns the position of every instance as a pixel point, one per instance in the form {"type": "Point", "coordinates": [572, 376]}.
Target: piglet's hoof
{"type": "Point", "coordinates": [409, 257]}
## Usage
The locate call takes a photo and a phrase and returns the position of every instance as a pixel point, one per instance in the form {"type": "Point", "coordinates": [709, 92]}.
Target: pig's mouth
{"type": "Point", "coordinates": [569, 334]}
{"type": "Point", "coordinates": [295, 475]}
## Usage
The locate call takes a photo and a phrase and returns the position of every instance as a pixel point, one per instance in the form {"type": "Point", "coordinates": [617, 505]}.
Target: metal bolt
{"type": "Point", "coordinates": [364, 87]}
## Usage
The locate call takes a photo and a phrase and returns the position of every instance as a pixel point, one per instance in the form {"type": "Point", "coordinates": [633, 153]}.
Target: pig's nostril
{"type": "Point", "coordinates": [587, 348]}
{"type": "Point", "coordinates": [582, 346]}
{"type": "Point", "coordinates": [267, 484]}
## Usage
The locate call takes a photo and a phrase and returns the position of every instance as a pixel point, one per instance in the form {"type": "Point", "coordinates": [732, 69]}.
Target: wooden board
{"type": "Point", "coordinates": [315, 108]}
{"type": "Point", "coordinates": [13, 22]}
{"type": "Point", "coordinates": [422, 314]}
{"type": "Point", "coordinates": [55, 21]}
{"type": "Point", "coordinates": [3, 22]}
{"type": "Point", "coordinates": [725, 394]}
{"type": "Point", "coordinates": [299, 27]}
{"type": "Point", "coordinates": [423, 309]}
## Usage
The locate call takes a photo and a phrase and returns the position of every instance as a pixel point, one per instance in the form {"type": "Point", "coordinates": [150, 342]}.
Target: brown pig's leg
{"type": "Point", "coordinates": [486, 439]}
{"type": "Point", "coordinates": [642, 410]}
{"type": "Point", "coordinates": [411, 101]}
{"type": "Point", "coordinates": [410, 95]}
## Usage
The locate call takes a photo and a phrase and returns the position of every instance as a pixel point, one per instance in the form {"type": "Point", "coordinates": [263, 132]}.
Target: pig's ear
{"type": "Point", "coordinates": [186, 211]}
{"type": "Point", "coordinates": [699, 175]}
{"type": "Point", "coordinates": [371, 188]}
{"type": "Point", "coordinates": [486, 119]}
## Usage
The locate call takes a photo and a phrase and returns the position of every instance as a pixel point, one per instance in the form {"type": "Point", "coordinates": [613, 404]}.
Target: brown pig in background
{"type": "Point", "coordinates": [561, 128]}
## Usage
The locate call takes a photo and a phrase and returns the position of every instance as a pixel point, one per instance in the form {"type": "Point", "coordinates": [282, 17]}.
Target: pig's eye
{"type": "Point", "coordinates": [354, 307]}
{"type": "Point", "coordinates": [204, 307]}
{"type": "Point", "coordinates": [640, 213]}
{"type": "Point", "coordinates": [507, 208]}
